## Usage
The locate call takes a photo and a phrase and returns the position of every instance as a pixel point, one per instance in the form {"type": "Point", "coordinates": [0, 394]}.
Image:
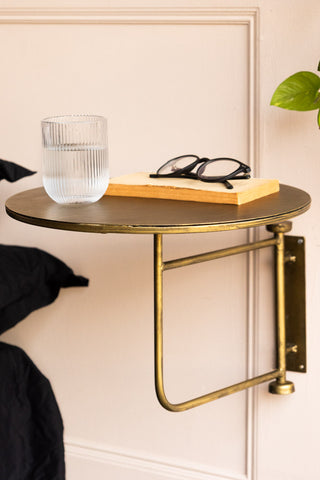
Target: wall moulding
{"type": "Point", "coordinates": [191, 15]}
{"type": "Point", "coordinates": [163, 468]}
{"type": "Point", "coordinates": [194, 15]}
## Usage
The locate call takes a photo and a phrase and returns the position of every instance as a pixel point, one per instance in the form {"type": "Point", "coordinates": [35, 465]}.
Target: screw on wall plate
{"type": "Point", "coordinates": [301, 367]}
{"type": "Point", "coordinates": [290, 258]}
{"type": "Point", "coordinates": [300, 241]}
{"type": "Point", "coordinates": [293, 348]}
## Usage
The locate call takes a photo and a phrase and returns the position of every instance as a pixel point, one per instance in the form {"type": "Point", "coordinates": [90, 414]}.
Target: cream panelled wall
{"type": "Point", "coordinates": [172, 78]}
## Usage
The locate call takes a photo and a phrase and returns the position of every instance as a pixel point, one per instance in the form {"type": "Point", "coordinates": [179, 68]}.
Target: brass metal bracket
{"type": "Point", "coordinates": [289, 345]}
{"type": "Point", "coordinates": [295, 303]}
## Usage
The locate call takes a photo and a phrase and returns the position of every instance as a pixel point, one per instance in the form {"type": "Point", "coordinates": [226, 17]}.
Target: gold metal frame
{"type": "Point", "coordinates": [158, 217]}
{"type": "Point", "coordinates": [280, 384]}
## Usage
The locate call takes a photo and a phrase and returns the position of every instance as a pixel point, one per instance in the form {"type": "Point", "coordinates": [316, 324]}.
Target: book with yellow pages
{"type": "Point", "coordinates": [141, 185]}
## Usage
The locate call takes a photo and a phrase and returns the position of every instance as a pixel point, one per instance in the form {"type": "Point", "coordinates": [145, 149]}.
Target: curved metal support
{"type": "Point", "coordinates": [281, 385]}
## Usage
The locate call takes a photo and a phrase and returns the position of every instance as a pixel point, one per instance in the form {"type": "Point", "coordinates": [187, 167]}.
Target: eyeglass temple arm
{"type": "Point", "coordinates": [159, 268]}
{"type": "Point", "coordinates": [227, 184]}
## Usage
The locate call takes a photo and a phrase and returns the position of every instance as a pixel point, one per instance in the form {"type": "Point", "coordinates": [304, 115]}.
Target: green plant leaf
{"type": "Point", "coordinates": [298, 92]}
{"type": "Point", "coordinates": [319, 117]}
{"type": "Point", "coordinates": [319, 67]}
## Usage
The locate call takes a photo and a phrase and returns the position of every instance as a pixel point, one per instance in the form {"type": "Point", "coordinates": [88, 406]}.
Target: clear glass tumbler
{"type": "Point", "coordinates": [75, 158]}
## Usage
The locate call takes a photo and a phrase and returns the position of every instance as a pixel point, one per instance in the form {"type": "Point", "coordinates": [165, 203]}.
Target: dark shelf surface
{"type": "Point", "coordinates": [141, 215]}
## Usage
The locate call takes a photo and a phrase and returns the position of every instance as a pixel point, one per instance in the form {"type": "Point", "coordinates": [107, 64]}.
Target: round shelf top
{"type": "Point", "coordinates": [144, 215]}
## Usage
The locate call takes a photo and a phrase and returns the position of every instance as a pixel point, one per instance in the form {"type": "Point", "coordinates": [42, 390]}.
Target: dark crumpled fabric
{"type": "Point", "coordinates": [29, 279]}
{"type": "Point", "coordinates": [31, 428]}
{"type": "Point", "coordinates": [12, 171]}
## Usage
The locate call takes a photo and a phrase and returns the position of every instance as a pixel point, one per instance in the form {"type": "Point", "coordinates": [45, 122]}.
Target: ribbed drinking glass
{"type": "Point", "coordinates": [75, 158]}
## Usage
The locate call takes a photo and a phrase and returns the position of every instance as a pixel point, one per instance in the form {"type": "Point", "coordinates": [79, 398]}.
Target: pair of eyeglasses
{"type": "Point", "coordinates": [218, 170]}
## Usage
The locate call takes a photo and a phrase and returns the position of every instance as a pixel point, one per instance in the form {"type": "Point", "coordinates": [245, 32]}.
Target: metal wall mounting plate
{"type": "Point", "coordinates": [295, 303]}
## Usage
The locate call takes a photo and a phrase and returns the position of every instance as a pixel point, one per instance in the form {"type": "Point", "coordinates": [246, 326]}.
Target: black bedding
{"type": "Point", "coordinates": [31, 427]}
{"type": "Point", "coordinates": [30, 278]}
{"type": "Point", "coordinates": [31, 431]}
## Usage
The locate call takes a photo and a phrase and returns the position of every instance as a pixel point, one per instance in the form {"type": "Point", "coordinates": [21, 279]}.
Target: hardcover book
{"type": "Point", "coordinates": [141, 185]}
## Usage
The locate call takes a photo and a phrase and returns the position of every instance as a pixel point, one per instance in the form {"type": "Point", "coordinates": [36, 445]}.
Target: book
{"type": "Point", "coordinates": [141, 185]}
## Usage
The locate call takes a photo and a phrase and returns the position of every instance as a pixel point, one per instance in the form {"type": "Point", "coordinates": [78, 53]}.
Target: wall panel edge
{"type": "Point", "coordinates": [195, 15]}
{"type": "Point", "coordinates": [164, 468]}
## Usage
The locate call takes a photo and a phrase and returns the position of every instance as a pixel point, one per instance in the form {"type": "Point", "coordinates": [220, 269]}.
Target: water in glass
{"type": "Point", "coordinates": [74, 172]}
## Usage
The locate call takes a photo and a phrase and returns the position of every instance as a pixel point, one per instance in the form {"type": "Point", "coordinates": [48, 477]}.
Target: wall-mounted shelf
{"type": "Point", "coordinates": [159, 217]}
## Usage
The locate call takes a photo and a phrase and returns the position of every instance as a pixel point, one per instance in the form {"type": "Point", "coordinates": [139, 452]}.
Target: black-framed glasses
{"type": "Point", "coordinates": [218, 170]}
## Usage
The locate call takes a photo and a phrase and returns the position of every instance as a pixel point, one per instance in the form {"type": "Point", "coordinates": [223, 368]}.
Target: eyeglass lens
{"type": "Point", "coordinates": [219, 168]}
{"type": "Point", "coordinates": [176, 164]}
